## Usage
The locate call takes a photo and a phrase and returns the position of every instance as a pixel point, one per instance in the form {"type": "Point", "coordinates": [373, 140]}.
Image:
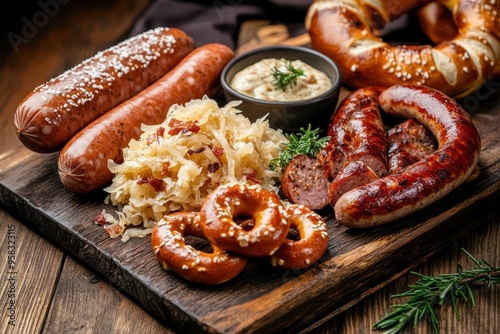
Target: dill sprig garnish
{"type": "Point", "coordinates": [306, 141]}
{"type": "Point", "coordinates": [284, 79]}
{"type": "Point", "coordinates": [430, 292]}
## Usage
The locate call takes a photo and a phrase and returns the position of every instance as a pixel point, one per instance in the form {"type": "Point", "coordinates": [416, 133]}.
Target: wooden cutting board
{"type": "Point", "coordinates": [262, 298]}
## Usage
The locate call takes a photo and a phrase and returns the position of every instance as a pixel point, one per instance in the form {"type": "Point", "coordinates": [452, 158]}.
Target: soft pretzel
{"type": "Point", "coordinates": [436, 21]}
{"type": "Point", "coordinates": [345, 30]}
{"type": "Point", "coordinates": [222, 206]}
{"type": "Point", "coordinates": [174, 254]}
{"type": "Point", "coordinates": [312, 244]}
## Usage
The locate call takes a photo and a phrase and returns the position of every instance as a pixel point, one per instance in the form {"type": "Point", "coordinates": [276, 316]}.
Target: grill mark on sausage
{"type": "Point", "coordinates": [409, 142]}
{"type": "Point", "coordinates": [357, 133]}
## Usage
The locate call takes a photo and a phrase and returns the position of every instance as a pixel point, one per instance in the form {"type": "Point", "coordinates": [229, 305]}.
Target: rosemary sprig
{"type": "Point", "coordinates": [281, 80]}
{"type": "Point", "coordinates": [431, 292]}
{"type": "Point", "coordinates": [306, 141]}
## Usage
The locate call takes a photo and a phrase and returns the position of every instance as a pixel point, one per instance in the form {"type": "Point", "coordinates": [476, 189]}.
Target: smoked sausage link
{"type": "Point", "coordinates": [354, 174]}
{"type": "Point", "coordinates": [357, 133]}
{"type": "Point", "coordinates": [428, 180]}
{"type": "Point", "coordinates": [409, 142]}
{"type": "Point", "coordinates": [83, 161]}
{"type": "Point", "coordinates": [55, 111]}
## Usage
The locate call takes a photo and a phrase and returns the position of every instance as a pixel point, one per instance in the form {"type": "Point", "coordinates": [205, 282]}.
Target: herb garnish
{"type": "Point", "coordinates": [306, 141]}
{"type": "Point", "coordinates": [430, 292]}
{"type": "Point", "coordinates": [284, 79]}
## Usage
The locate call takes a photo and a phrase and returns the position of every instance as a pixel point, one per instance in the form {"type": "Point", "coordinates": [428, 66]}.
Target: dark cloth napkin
{"type": "Point", "coordinates": [218, 21]}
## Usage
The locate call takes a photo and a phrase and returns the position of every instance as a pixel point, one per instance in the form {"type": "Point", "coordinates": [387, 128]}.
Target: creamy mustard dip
{"type": "Point", "coordinates": [257, 81]}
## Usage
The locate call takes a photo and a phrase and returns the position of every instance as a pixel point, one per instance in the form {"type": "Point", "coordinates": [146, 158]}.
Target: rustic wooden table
{"type": "Point", "coordinates": [51, 291]}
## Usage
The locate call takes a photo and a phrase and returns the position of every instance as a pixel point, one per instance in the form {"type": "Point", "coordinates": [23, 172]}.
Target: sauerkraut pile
{"type": "Point", "coordinates": [174, 165]}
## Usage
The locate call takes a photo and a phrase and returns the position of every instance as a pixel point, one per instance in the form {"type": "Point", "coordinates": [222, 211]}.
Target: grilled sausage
{"type": "Point", "coordinates": [55, 111]}
{"type": "Point", "coordinates": [354, 174]}
{"type": "Point", "coordinates": [83, 161]}
{"type": "Point", "coordinates": [303, 182]}
{"type": "Point", "coordinates": [397, 195]}
{"type": "Point", "coordinates": [357, 133]}
{"type": "Point", "coordinates": [409, 142]}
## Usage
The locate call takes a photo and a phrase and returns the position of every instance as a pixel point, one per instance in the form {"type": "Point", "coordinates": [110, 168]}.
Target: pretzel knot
{"type": "Point", "coordinates": [175, 254]}
{"type": "Point", "coordinates": [346, 31]}
{"type": "Point", "coordinates": [263, 232]}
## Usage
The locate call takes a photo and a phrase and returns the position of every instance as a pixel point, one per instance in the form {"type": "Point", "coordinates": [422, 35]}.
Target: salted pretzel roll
{"type": "Point", "coordinates": [174, 254]}
{"type": "Point", "coordinates": [346, 31]}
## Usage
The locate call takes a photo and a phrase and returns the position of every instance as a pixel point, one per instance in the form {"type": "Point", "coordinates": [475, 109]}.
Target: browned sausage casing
{"type": "Point", "coordinates": [357, 133]}
{"type": "Point", "coordinates": [399, 194]}
{"type": "Point", "coordinates": [83, 160]}
{"type": "Point", "coordinates": [55, 111]}
{"type": "Point", "coordinates": [354, 174]}
{"type": "Point", "coordinates": [409, 142]}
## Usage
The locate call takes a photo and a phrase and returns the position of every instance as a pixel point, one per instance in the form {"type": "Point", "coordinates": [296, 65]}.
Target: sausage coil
{"type": "Point", "coordinates": [417, 186]}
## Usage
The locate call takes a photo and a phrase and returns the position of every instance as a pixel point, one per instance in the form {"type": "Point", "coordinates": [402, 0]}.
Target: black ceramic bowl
{"type": "Point", "coordinates": [289, 116]}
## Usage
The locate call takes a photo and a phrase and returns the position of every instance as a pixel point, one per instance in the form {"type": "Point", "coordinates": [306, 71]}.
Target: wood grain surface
{"type": "Point", "coordinates": [71, 278]}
